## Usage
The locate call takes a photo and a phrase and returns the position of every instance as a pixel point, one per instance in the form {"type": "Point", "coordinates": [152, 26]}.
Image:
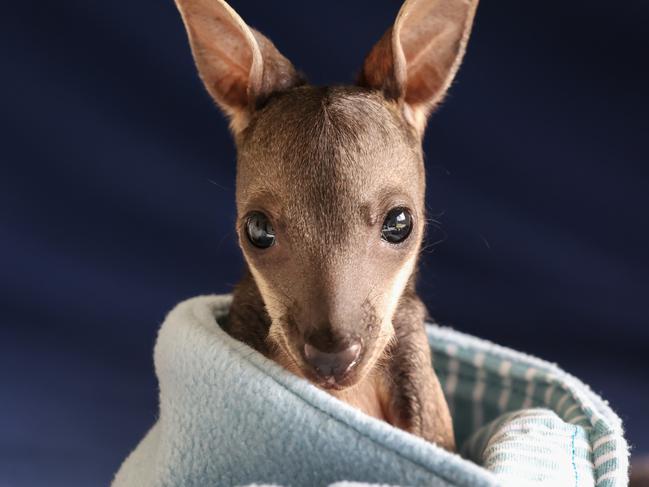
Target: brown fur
{"type": "Point", "coordinates": [326, 164]}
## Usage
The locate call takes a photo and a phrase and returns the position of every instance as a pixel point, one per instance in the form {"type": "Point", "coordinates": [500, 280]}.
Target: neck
{"type": "Point", "coordinates": [248, 320]}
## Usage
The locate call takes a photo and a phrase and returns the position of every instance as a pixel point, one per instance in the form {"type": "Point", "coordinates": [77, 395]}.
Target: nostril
{"type": "Point", "coordinates": [335, 364]}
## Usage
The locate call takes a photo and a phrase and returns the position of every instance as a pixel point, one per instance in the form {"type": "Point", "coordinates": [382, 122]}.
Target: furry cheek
{"type": "Point", "coordinates": [397, 287]}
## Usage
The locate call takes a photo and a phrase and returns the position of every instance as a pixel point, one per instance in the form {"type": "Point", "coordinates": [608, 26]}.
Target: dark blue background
{"type": "Point", "coordinates": [116, 201]}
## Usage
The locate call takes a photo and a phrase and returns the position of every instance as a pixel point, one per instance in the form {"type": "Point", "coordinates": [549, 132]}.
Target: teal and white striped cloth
{"type": "Point", "coordinates": [526, 420]}
{"type": "Point", "coordinates": [533, 446]}
{"type": "Point", "coordinates": [229, 416]}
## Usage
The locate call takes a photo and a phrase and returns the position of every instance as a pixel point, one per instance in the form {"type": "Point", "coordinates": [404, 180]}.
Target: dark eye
{"type": "Point", "coordinates": [397, 225]}
{"type": "Point", "coordinates": [259, 230]}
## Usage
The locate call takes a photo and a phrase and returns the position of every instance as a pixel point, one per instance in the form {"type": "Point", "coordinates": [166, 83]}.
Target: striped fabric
{"type": "Point", "coordinates": [533, 447]}
{"type": "Point", "coordinates": [566, 434]}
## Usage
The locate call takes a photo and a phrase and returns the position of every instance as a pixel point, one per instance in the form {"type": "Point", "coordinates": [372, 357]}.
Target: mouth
{"type": "Point", "coordinates": [338, 368]}
{"type": "Point", "coordinates": [331, 383]}
{"type": "Point", "coordinates": [336, 383]}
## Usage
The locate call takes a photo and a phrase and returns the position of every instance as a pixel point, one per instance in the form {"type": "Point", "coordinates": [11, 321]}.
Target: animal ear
{"type": "Point", "coordinates": [417, 58]}
{"type": "Point", "coordinates": [239, 66]}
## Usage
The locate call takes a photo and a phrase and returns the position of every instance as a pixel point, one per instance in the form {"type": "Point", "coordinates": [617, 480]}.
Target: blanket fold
{"type": "Point", "coordinates": [229, 416]}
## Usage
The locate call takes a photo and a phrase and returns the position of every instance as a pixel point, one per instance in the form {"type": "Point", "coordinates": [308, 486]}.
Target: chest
{"type": "Point", "coordinates": [371, 396]}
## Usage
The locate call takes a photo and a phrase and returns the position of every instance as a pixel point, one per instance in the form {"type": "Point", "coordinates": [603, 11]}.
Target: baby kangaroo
{"type": "Point", "coordinates": [330, 205]}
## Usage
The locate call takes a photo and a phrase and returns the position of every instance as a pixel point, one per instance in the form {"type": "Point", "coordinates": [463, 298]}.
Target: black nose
{"type": "Point", "coordinates": [332, 364]}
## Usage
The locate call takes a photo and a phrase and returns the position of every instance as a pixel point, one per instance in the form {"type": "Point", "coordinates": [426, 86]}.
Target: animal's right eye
{"type": "Point", "coordinates": [259, 230]}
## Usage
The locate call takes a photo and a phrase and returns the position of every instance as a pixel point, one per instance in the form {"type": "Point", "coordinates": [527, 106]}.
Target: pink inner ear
{"type": "Point", "coordinates": [232, 89]}
{"type": "Point", "coordinates": [238, 65]}
{"type": "Point", "coordinates": [379, 71]}
{"type": "Point", "coordinates": [223, 56]}
{"type": "Point", "coordinates": [430, 48]}
{"type": "Point", "coordinates": [416, 59]}
{"type": "Point", "coordinates": [424, 77]}
{"type": "Point", "coordinates": [433, 36]}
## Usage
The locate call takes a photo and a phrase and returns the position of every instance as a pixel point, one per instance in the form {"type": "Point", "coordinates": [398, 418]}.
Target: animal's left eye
{"type": "Point", "coordinates": [397, 225]}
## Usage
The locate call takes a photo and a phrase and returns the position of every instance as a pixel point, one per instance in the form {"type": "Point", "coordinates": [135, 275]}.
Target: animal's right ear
{"type": "Point", "coordinates": [239, 66]}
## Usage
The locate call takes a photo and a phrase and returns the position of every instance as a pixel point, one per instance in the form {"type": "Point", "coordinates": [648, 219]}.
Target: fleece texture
{"type": "Point", "coordinates": [229, 416]}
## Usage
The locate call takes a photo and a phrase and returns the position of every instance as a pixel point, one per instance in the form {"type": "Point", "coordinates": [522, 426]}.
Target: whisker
{"type": "Point", "coordinates": [220, 186]}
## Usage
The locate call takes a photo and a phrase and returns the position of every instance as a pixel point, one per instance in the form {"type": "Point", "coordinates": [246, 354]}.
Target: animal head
{"type": "Point", "coordinates": [330, 180]}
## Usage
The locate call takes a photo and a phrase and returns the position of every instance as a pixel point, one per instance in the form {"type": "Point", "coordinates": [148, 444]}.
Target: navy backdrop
{"type": "Point", "coordinates": [116, 201]}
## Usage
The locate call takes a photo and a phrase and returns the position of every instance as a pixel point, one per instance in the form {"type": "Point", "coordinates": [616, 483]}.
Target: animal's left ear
{"type": "Point", "coordinates": [417, 58]}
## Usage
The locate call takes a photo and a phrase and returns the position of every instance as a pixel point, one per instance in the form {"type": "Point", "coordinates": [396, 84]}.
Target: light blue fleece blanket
{"type": "Point", "coordinates": [229, 416]}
